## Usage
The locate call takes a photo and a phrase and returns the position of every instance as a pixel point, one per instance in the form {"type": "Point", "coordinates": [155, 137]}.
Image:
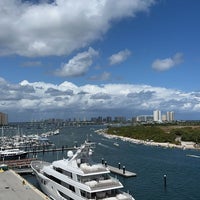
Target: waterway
{"type": "Point", "coordinates": [150, 163]}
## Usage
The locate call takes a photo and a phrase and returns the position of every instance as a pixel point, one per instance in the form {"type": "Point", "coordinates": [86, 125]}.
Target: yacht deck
{"type": "Point", "coordinates": [38, 165]}
{"type": "Point", "coordinates": [89, 169]}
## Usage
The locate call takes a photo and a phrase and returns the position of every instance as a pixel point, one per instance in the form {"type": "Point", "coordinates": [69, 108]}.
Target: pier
{"type": "Point", "coordinates": [122, 172]}
{"type": "Point", "coordinates": [118, 170]}
{"type": "Point", "coordinates": [43, 150]}
{"type": "Point", "coordinates": [19, 166]}
{"type": "Point", "coordinates": [13, 186]}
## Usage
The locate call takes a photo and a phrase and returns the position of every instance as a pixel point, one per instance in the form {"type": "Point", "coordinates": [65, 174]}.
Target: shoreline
{"type": "Point", "coordinates": [184, 145]}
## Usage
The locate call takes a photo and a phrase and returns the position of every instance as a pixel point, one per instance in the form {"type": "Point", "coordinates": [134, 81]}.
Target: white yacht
{"type": "Point", "coordinates": [78, 178]}
{"type": "Point", "coordinates": [12, 154]}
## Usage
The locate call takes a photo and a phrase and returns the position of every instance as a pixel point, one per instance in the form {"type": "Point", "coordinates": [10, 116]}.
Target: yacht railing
{"type": "Point", "coordinates": [38, 165]}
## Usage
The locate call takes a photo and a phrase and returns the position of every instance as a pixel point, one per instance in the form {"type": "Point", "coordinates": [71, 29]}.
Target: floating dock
{"type": "Point", "coordinates": [122, 172]}
{"type": "Point", "coordinates": [13, 186]}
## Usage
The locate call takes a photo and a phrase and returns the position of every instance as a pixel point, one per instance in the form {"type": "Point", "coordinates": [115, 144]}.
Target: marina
{"type": "Point", "coordinates": [148, 162]}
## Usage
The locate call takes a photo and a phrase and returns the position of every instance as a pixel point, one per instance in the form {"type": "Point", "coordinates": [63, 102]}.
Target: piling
{"type": "Point", "coordinates": [165, 180]}
{"type": "Point", "coordinates": [119, 165]}
{"type": "Point", "coordinates": [124, 170]}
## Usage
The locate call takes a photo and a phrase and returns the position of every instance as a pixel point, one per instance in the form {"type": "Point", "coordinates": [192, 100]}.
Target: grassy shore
{"type": "Point", "coordinates": [186, 137]}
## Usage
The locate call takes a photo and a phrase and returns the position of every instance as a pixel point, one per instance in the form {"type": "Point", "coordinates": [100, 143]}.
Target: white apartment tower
{"type": "Point", "coordinates": [157, 116]}
{"type": "Point", "coordinates": [170, 116]}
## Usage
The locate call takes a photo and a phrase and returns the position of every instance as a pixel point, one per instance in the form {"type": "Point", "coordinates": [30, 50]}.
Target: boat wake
{"type": "Point", "coordinates": [193, 156]}
{"type": "Point", "coordinates": [103, 145]}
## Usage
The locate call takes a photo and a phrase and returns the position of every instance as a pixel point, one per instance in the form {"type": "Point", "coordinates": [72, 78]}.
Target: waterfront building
{"type": "Point", "coordinates": [108, 119]}
{"type": "Point", "coordinates": [170, 116]}
{"type": "Point", "coordinates": [157, 116]}
{"type": "Point", "coordinates": [144, 118]}
{"type": "Point", "coordinates": [120, 119]}
{"type": "Point", "coordinates": [3, 119]}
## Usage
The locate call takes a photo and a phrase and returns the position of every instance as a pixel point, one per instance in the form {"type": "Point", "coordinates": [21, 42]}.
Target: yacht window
{"type": "Point", "coordinates": [85, 194]}
{"type": "Point", "coordinates": [58, 169]}
{"type": "Point", "coordinates": [64, 195]}
{"type": "Point", "coordinates": [53, 178]}
{"type": "Point", "coordinates": [70, 187]}
{"type": "Point", "coordinates": [69, 174]}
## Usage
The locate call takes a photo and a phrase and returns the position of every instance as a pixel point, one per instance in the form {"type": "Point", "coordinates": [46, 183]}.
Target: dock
{"type": "Point", "coordinates": [13, 186]}
{"type": "Point", "coordinates": [43, 150]}
{"type": "Point", "coordinates": [122, 172]}
{"type": "Point", "coordinates": [19, 166]}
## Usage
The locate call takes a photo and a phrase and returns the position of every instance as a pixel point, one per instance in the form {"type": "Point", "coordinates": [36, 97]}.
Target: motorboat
{"type": "Point", "coordinates": [12, 154]}
{"type": "Point", "coordinates": [78, 177]}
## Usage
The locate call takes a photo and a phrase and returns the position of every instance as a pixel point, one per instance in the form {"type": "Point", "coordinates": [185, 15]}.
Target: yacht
{"type": "Point", "coordinates": [12, 154]}
{"type": "Point", "coordinates": [78, 178]}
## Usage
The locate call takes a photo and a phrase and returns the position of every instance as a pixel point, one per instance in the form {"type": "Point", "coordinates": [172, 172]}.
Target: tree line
{"type": "Point", "coordinates": [158, 133]}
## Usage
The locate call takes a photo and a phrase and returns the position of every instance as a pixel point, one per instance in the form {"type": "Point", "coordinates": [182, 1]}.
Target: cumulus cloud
{"type": "Point", "coordinates": [167, 63]}
{"type": "Point", "coordinates": [119, 57]}
{"type": "Point", "coordinates": [68, 100]}
{"type": "Point", "coordinates": [100, 96]}
{"type": "Point", "coordinates": [78, 65]}
{"type": "Point", "coordinates": [59, 27]}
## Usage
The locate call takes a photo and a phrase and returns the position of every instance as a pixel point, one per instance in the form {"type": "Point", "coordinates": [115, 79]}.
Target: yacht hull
{"type": "Point", "coordinates": [14, 156]}
{"type": "Point", "coordinates": [54, 190]}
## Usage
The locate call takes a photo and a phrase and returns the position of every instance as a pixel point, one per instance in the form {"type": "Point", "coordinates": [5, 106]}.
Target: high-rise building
{"type": "Point", "coordinates": [170, 116]}
{"type": "Point", "coordinates": [157, 116]}
{"type": "Point", "coordinates": [3, 119]}
{"type": "Point", "coordinates": [144, 118]}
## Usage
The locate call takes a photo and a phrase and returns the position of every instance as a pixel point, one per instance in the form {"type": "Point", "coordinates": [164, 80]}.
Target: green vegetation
{"type": "Point", "coordinates": [158, 133]}
{"type": "Point", "coordinates": [188, 133]}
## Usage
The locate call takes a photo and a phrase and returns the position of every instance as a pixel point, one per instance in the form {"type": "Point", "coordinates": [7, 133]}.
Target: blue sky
{"type": "Point", "coordinates": [84, 58]}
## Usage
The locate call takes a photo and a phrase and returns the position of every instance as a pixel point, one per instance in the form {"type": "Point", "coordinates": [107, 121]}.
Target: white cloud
{"type": "Point", "coordinates": [167, 63]}
{"type": "Point", "coordinates": [78, 65]}
{"type": "Point", "coordinates": [68, 99]}
{"type": "Point", "coordinates": [60, 27]}
{"type": "Point", "coordinates": [119, 57]}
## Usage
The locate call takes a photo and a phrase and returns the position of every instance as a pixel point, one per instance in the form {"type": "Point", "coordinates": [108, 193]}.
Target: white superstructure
{"type": "Point", "coordinates": [78, 178]}
{"type": "Point", "coordinates": [12, 154]}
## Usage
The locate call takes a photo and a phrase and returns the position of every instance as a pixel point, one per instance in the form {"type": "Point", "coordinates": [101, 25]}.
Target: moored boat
{"type": "Point", "coordinates": [12, 154]}
{"type": "Point", "coordinates": [78, 178]}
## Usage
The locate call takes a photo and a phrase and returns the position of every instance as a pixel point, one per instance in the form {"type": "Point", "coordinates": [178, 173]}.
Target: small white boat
{"type": "Point", "coordinates": [78, 178]}
{"type": "Point", "coordinates": [116, 144]}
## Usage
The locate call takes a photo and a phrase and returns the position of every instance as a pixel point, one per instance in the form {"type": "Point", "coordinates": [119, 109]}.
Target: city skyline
{"type": "Point", "coordinates": [61, 59]}
{"type": "Point", "coordinates": [155, 116]}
